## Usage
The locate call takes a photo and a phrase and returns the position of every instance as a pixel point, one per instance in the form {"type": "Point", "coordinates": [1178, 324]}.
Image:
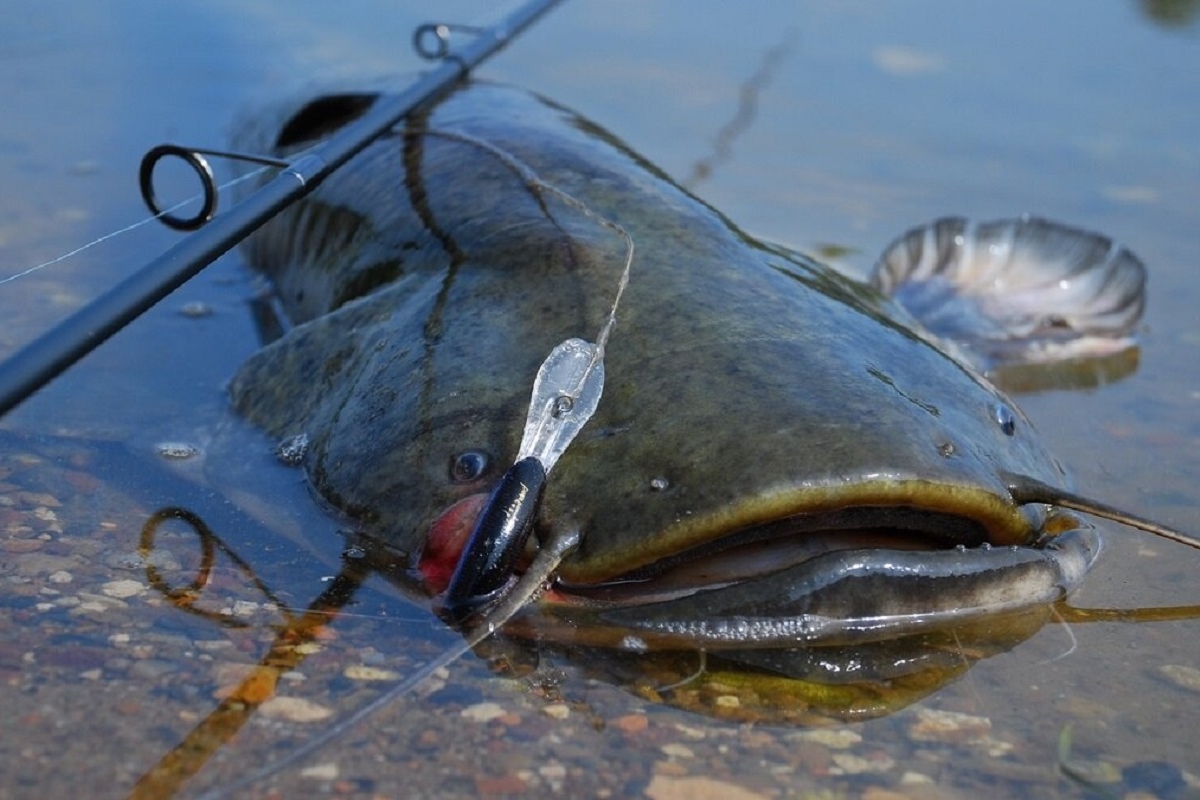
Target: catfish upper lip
{"type": "Point", "coordinates": [944, 514]}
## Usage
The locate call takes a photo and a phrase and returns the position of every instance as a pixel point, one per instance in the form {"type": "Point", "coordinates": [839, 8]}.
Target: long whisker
{"type": "Point", "coordinates": [1028, 490]}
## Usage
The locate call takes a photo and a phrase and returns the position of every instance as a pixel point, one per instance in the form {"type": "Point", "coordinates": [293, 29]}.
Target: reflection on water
{"type": "Point", "coordinates": [880, 118]}
{"type": "Point", "coordinates": [1171, 13]}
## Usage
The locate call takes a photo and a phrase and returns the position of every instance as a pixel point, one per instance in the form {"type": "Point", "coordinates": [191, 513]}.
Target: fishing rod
{"type": "Point", "coordinates": [55, 351]}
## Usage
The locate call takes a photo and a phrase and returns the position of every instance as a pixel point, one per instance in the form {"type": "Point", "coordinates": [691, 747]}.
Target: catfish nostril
{"type": "Point", "coordinates": [468, 466]}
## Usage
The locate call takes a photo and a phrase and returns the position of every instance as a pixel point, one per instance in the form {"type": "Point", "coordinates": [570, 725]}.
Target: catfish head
{"type": "Point", "coordinates": [781, 457]}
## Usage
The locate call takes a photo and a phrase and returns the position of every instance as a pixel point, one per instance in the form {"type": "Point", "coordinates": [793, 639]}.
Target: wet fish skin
{"type": "Point", "coordinates": [746, 383]}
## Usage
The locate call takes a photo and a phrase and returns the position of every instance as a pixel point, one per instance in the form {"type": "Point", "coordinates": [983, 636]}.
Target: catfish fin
{"type": "Point", "coordinates": [1017, 292]}
{"type": "Point", "coordinates": [283, 386]}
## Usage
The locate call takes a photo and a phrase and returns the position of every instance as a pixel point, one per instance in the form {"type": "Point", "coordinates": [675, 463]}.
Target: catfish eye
{"type": "Point", "coordinates": [1003, 416]}
{"type": "Point", "coordinates": [468, 466]}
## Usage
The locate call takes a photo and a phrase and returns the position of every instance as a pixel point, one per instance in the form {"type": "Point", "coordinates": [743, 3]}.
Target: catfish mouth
{"type": "Point", "coordinates": [779, 528]}
{"type": "Point", "coordinates": [812, 575]}
{"type": "Point", "coordinates": [853, 575]}
{"type": "Point", "coordinates": [746, 554]}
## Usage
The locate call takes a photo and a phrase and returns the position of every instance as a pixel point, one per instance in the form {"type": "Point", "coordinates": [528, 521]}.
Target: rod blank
{"type": "Point", "coordinates": [48, 356]}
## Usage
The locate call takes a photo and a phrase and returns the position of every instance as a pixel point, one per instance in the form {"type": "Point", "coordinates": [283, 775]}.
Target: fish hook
{"type": "Point", "coordinates": [566, 393]}
{"type": "Point", "coordinates": [486, 569]}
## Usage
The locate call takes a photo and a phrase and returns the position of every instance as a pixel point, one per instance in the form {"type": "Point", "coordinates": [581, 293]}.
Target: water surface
{"type": "Point", "coordinates": [876, 117]}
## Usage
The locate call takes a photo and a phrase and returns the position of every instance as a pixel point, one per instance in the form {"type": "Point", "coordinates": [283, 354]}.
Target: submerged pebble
{"type": "Point", "coordinates": [948, 727]}
{"type": "Point", "coordinates": [559, 711]}
{"type": "Point", "coordinates": [1182, 676]}
{"type": "Point", "coordinates": [152, 668]}
{"type": "Point", "coordinates": [123, 588]}
{"type": "Point", "coordinates": [850, 764]}
{"type": "Point", "coordinates": [669, 787]}
{"type": "Point", "coordinates": [360, 672]}
{"type": "Point", "coordinates": [833, 738]}
{"type": "Point", "coordinates": [631, 723]}
{"type": "Point", "coordinates": [21, 545]}
{"type": "Point", "coordinates": [325, 772]}
{"type": "Point", "coordinates": [677, 750]}
{"type": "Point", "coordinates": [482, 712]}
{"type": "Point", "coordinates": [294, 709]}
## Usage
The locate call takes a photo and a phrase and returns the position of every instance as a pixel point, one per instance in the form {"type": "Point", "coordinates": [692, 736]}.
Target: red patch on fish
{"type": "Point", "coordinates": [447, 537]}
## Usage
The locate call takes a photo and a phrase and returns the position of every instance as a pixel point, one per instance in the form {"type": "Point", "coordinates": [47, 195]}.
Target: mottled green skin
{"type": "Point", "coordinates": [756, 382]}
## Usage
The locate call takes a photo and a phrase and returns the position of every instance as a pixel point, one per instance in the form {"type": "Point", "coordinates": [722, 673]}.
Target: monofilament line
{"type": "Point", "coordinates": [537, 185]}
{"type": "Point", "coordinates": [128, 228]}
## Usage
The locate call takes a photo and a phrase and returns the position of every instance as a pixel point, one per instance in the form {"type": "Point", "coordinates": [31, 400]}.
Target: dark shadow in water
{"type": "Point", "coordinates": [1170, 13]}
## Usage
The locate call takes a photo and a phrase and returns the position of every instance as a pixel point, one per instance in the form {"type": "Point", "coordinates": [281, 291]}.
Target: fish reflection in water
{"type": "Point", "coordinates": [798, 500]}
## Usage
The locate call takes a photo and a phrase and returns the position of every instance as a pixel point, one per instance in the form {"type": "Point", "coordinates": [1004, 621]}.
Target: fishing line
{"type": "Point", "coordinates": [537, 185]}
{"type": "Point", "coordinates": [166, 212]}
{"type": "Point", "coordinates": [47, 357]}
{"type": "Point", "coordinates": [532, 583]}
{"type": "Point", "coordinates": [566, 394]}
{"type": "Point", "coordinates": [970, 680]}
{"type": "Point", "coordinates": [1070, 636]}
{"type": "Point", "coordinates": [701, 668]}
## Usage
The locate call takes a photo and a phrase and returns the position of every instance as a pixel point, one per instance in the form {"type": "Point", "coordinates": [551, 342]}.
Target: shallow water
{"type": "Point", "coordinates": [877, 117]}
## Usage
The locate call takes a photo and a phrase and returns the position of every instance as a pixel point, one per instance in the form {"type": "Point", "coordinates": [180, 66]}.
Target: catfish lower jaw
{"type": "Point", "coordinates": [840, 596]}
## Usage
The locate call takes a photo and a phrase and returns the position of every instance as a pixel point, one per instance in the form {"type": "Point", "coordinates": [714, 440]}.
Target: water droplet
{"type": "Point", "coordinates": [960, 548]}
{"type": "Point", "coordinates": [177, 451]}
{"type": "Point", "coordinates": [985, 546]}
{"type": "Point", "coordinates": [659, 484]}
{"type": "Point", "coordinates": [354, 552]}
{"type": "Point", "coordinates": [563, 405]}
{"type": "Point", "coordinates": [1003, 416]}
{"type": "Point", "coordinates": [468, 466]}
{"type": "Point", "coordinates": [946, 449]}
{"type": "Point", "coordinates": [292, 449]}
